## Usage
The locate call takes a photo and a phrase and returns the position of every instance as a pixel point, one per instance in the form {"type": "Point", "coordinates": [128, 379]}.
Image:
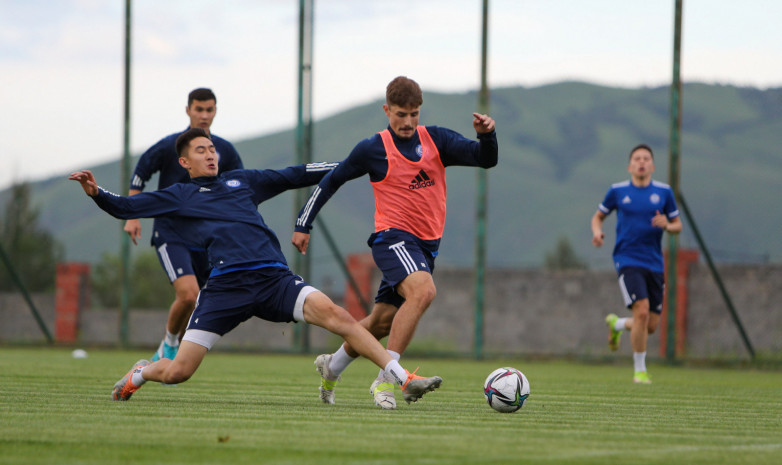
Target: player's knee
{"type": "Point", "coordinates": [430, 294]}
{"type": "Point", "coordinates": [380, 320]}
{"type": "Point", "coordinates": [176, 374]}
{"type": "Point", "coordinates": [187, 296]}
{"type": "Point", "coordinates": [641, 319]}
{"type": "Point", "coordinates": [641, 312]}
{"type": "Point", "coordinates": [381, 328]}
{"type": "Point", "coordinates": [321, 311]}
{"type": "Point", "coordinates": [333, 316]}
{"type": "Point", "coordinates": [424, 296]}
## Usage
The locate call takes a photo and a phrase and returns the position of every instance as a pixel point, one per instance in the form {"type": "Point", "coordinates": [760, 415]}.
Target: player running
{"type": "Point", "coordinates": [645, 208]}
{"type": "Point", "coordinates": [406, 165]}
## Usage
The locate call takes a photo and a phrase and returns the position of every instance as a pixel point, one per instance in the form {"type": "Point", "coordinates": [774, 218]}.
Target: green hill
{"type": "Point", "coordinates": [561, 146]}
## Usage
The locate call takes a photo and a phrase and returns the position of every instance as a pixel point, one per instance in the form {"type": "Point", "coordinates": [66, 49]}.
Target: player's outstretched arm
{"type": "Point", "coordinates": [164, 202]}
{"type": "Point", "coordinates": [87, 181]}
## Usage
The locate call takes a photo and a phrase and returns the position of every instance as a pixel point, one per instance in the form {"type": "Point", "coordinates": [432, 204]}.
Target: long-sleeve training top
{"type": "Point", "coordinates": [369, 157]}
{"type": "Point", "coordinates": [220, 213]}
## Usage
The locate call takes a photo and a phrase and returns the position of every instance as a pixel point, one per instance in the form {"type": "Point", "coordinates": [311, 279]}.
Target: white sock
{"type": "Point", "coordinates": [395, 356]}
{"type": "Point", "coordinates": [395, 370]}
{"type": "Point", "coordinates": [639, 361]}
{"type": "Point", "coordinates": [340, 360]}
{"type": "Point", "coordinates": [137, 379]}
{"type": "Point", "coordinates": [172, 339]}
{"type": "Point", "coordinates": [620, 324]}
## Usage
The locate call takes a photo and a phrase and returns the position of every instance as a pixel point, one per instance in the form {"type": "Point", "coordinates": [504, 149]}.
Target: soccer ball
{"type": "Point", "coordinates": [506, 389]}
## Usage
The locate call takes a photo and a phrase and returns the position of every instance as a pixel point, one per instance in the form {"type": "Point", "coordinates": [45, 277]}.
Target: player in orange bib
{"type": "Point", "coordinates": [406, 166]}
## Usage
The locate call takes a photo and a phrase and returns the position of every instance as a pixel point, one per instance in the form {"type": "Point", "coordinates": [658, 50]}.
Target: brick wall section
{"type": "Point", "coordinates": [71, 299]}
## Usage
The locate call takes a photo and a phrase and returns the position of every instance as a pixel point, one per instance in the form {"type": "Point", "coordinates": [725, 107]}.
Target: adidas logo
{"type": "Point", "coordinates": [420, 181]}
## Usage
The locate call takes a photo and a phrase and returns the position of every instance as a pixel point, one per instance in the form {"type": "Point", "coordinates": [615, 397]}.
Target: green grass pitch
{"type": "Point", "coordinates": [262, 408]}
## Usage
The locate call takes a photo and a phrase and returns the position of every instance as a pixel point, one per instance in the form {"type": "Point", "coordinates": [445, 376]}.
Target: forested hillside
{"type": "Point", "coordinates": [561, 146]}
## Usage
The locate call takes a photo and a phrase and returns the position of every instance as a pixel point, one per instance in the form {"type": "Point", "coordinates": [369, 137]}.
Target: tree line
{"type": "Point", "coordinates": [34, 253]}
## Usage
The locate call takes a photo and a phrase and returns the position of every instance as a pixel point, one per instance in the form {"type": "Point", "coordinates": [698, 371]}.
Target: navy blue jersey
{"type": "Point", "coordinates": [369, 157]}
{"type": "Point", "coordinates": [638, 243]}
{"type": "Point", "coordinates": [162, 158]}
{"type": "Point", "coordinates": [220, 213]}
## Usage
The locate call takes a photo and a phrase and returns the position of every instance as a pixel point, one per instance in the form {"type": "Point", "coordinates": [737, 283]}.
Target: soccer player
{"type": "Point", "coordinates": [186, 267]}
{"type": "Point", "coordinates": [645, 208]}
{"type": "Point", "coordinates": [249, 275]}
{"type": "Point", "coordinates": [406, 165]}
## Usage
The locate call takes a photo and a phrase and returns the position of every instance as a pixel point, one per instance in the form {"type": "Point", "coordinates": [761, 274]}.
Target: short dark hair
{"type": "Point", "coordinates": [184, 139]}
{"type": "Point", "coordinates": [202, 94]}
{"type": "Point", "coordinates": [641, 146]}
{"type": "Point", "coordinates": [404, 92]}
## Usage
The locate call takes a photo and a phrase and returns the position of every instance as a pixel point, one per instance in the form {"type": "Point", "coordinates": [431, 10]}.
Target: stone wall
{"type": "Point", "coordinates": [527, 312]}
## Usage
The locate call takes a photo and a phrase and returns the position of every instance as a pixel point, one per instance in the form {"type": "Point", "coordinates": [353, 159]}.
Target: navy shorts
{"type": "Point", "coordinates": [399, 254]}
{"type": "Point", "coordinates": [178, 260]}
{"type": "Point", "coordinates": [639, 283]}
{"type": "Point", "coordinates": [271, 293]}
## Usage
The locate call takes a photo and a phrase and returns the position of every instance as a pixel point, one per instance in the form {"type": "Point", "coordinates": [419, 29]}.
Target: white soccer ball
{"type": "Point", "coordinates": [506, 389]}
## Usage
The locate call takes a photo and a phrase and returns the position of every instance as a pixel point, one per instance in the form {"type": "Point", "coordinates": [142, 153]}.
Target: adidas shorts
{"type": "Point", "coordinates": [178, 260]}
{"type": "Point", "coordinates": [639, 283]}
{"type": "Point", "coordinates": [398, 254]}
{"type": "Point", "coordinates": [271, 294]}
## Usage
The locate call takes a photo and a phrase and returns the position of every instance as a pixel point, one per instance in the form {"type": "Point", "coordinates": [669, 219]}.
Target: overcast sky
{"type": "Point", "coordinates": [61, 62]}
